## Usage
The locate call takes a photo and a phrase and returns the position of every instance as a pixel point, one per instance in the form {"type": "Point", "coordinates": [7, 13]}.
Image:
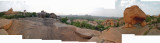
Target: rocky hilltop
{"type": "Point", "coordinates": [48, 26]}
{"type": "Point", "coordinates": [52, 29]}
{"type": "Point", "coordinates": [45, 28]}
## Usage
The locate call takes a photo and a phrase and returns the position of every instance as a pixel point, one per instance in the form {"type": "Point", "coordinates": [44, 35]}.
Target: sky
{"type": "Point", "coordinates": [108, 8]}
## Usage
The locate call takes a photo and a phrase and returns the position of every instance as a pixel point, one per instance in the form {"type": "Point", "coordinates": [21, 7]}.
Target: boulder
{"type": "Point", "coordinates": [53, 15]}
{"type": "Point", "coordinates": [5, 23]}
{"type": "Point", "coordinates": [42, 14]}
{"type": "Point", "coordinates": [3, 32]}
{"type": "Point", "coordinates": [114, 34]}
{"type": "Point", "coordinates": [134, 15]}
{"type": "Point", "coordinates": [87, 33]}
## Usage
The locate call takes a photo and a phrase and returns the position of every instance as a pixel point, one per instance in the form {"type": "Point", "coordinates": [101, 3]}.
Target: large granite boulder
{"type": "Point", "coordinates": [134, 15]}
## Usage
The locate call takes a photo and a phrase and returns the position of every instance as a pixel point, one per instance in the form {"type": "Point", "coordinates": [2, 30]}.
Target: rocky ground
{"type": "Point", "coordinates": [52, 29]}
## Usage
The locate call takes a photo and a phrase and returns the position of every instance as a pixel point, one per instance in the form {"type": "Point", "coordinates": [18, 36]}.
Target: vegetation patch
{"type": "Point", "coordinates": [18, 15]}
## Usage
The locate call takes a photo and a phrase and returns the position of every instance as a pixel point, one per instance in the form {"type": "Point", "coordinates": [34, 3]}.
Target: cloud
{"type": "Point", "coordinates": [127, 3]}
{"type": "Point", "coordinates": [156, 3]}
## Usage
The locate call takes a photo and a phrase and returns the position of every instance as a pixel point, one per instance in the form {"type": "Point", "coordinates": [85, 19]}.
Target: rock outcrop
{"type": "Point", "coordinates": [133, 15]}
{"type": "Point", "coordinates": [46, 29]}
{"type": "Point", "coordinates": [110, 22]}
{"type": "Point", "coordinates": [42, 14]}
{"type": "Point", "coordinates": [53, 15]}
{"type": "Point", "coordinates": [5, 23]}
{"type": "Point", "coordinates": [10, 11]}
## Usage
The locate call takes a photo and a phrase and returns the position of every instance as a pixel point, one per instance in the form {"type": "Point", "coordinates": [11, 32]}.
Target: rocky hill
{"type": "Point", "coordinates": [45, 28]}
{"type": "Point", "coordinates": [52, 29]}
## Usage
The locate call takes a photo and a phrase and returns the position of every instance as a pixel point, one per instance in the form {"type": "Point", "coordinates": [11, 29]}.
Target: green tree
{"type": "Point", "coordinates": [64, 20]}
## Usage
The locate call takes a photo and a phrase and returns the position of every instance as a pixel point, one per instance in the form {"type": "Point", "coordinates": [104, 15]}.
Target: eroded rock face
{"type": "Point", "coordinates": [133, 15]}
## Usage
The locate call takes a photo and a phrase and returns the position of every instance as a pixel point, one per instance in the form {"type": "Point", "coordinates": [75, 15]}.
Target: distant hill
{"type": "Point", "coordinates": [87, 17]}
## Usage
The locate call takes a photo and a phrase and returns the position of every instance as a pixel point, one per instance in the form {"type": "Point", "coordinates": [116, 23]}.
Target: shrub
{"type": "Point", "coordinates": [158, 19]}
{"type": "Point", "coordinates": [13, 16]}
{"type": "Point", "coordinates": [64, 20]}
{"type": "Point", "coordinates": [148, 19]}
{"type": "Point", "coordinates": [1, 14]}
{"type": "Point", "coordinates": [76, 24]}
{"type": "Point", "coordinates": [34, 14]}
{"type": "Point", "coordinates": [104, 28]}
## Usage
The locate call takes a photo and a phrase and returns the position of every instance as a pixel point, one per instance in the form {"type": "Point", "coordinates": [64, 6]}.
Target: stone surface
{"type": "Point", "coordinates": [133, 15]}
{"type": "Point", "coordinates": [87, 33]}
{"type": "Point", "coordinates": [96, 39]}
{"type": "Point", "coordinates": [5, 23]}
{"type": "Point", "coordinates": [3, 32]}
{"type": "Point", "coordinates": [154, 32]}
{"type": "Point", "coordinates": [44, 28]}
{"type": "Point", "coordinates": [114, 34]}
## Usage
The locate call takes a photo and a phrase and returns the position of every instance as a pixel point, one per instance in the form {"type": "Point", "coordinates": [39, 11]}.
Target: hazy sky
{"type": "Point", "coordinates": [81, 7]}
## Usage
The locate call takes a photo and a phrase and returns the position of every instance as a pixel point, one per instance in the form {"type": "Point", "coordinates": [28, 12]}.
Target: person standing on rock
{"type": "Point", "coordinates": [24, 13]}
